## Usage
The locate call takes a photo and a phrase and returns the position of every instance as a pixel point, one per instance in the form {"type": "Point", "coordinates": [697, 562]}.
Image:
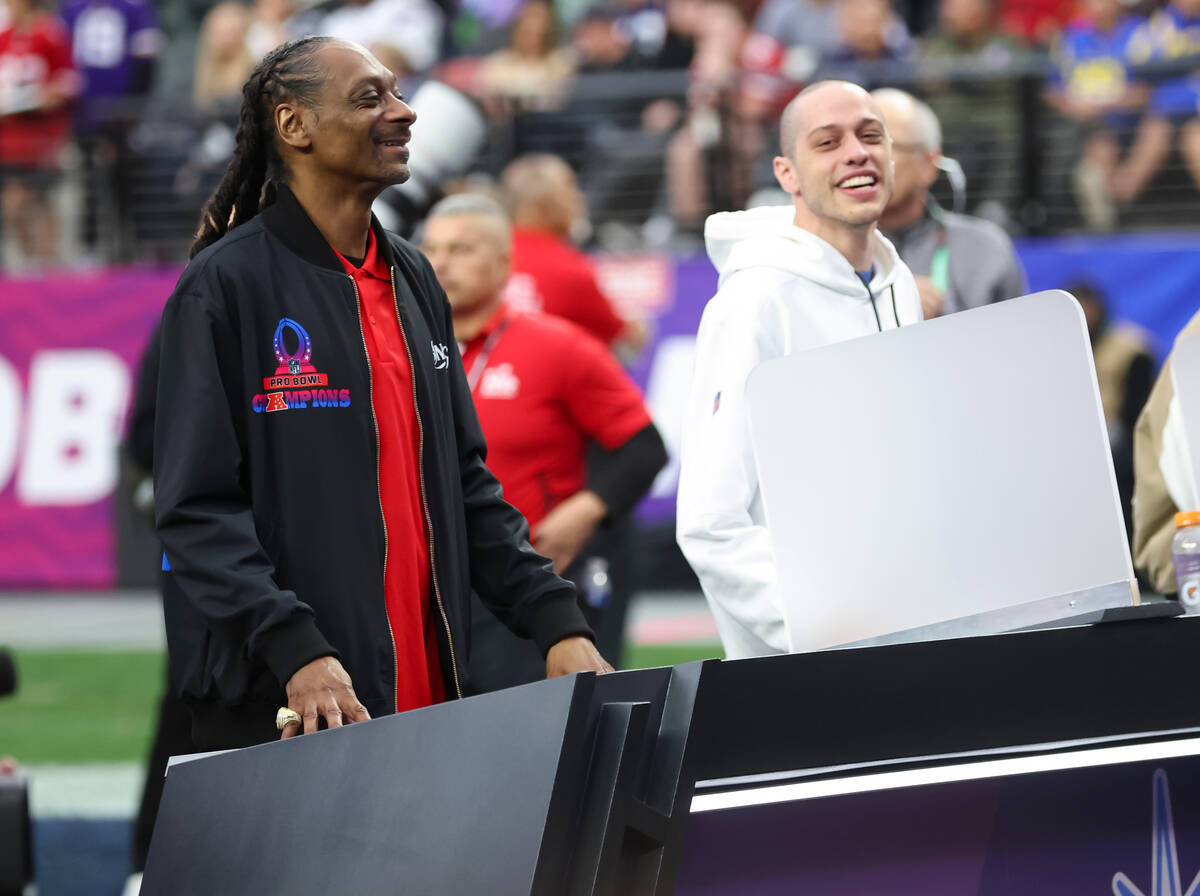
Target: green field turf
{"type": "Point", "coordinates": [99, 706]}
{"type": "Point", "coordinates": [648, 656]}
{"type": "Point", "coordinates": [74, 706]}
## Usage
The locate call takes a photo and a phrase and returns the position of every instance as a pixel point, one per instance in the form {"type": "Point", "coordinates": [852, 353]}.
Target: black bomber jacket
{"type": "Point", "coordinates": [267, 485]}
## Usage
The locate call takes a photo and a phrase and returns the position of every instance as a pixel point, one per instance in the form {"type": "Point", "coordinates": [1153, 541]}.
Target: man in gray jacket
{"type": "Point", "coordinates": [959, 261]}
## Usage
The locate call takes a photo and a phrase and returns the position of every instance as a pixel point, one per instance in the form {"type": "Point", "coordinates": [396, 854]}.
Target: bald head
{"type": "Point", "coordinates": [795, 121]}
{"type": "Point", "coordinates": [908, 119]}
{"type": "Point", "coordinates": [917, 145]}
{"type": "Point", "coordinates": [542, 193]}
{"type": "Point", "coordinates": [489, 216]}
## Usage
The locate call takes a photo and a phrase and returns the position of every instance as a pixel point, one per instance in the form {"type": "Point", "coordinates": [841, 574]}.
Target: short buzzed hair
{"type": "Point", "coordinates": [475, 205]}
{"type": "Point", "coordinates": [926, 129]}
{"type": "Point", "coordinates": [538, 189]}
{"type": "Point", "coordinates": [531, 176]}
{"type": "Point", "coordinates": [469, 205]}
{"type": "Point", "coordinates": [789, 127]}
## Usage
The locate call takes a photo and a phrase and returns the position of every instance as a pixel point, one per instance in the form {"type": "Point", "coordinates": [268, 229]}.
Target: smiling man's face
{"type": "Point", "coordinates": [361, 128]}
{"type": "Point", "coordinates": [840, 163]}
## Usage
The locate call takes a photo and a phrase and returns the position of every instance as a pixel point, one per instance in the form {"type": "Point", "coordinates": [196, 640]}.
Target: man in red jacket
{"type": "Point", "coordinates": [544, 390]}
{"type": "Point", "coordinates": [548, 273]}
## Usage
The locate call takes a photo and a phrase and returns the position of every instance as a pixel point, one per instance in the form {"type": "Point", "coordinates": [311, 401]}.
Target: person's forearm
{"type": "Point", "coordinates": [1134, 97]}
{"type": "Point", "coordinates": [622, 477]}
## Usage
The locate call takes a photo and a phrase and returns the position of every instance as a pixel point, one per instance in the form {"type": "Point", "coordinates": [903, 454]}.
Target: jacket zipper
{"type": "Point", "coordinates": [437, 591]}
{"type": "Point", "coordinates": [378, 486]}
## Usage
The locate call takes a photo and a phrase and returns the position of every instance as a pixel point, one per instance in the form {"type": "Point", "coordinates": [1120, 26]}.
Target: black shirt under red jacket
{"type": "Point", "coordinates": [267, 491]}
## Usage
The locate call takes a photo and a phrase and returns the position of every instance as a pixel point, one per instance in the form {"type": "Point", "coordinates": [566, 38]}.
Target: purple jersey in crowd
{"type": "Point", "coordinates": [111, 39]}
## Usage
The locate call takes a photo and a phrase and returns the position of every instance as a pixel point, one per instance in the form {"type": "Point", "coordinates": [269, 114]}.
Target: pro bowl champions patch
{"type": "Point", "coordinates": [296, 384]}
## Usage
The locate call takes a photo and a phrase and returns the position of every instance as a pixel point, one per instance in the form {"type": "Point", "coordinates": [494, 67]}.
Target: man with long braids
{"type": "Point", "coordinates": [321, 492]}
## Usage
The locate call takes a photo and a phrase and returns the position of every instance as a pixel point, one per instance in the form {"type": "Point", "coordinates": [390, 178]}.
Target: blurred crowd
{"type": "Point", "coordinates": [117, 116]}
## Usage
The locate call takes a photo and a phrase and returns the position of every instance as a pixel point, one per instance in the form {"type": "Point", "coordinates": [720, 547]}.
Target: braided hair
{"type": "Point", "coordinates": [289, 72]}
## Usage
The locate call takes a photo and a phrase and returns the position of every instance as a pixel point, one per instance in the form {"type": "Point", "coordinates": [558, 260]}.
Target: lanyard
{"type": "Point", "coordinates": [485, 354]}
{"type": "Point", "coordinates": [939, 266]}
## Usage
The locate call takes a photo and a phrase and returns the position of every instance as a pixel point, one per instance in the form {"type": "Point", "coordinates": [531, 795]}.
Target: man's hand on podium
{"type": "Point", "coordinates": [322, 690]}
{"type": "Point", "coordinates": [575, 654]}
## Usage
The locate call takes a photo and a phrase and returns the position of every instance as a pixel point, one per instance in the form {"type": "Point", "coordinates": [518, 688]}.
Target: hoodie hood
{"type": "Point", "coordinates": [767, 238]}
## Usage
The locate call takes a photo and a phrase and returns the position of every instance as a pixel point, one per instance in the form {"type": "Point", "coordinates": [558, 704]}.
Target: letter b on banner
{"type": "Point", "coordinates": [76, 399]}
{"type": "Point", "coordinates": [10, 421]}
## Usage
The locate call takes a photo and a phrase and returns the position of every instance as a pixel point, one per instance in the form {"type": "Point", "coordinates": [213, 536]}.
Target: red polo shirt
{"type": "Point", "coordinates": [406, 580]}
{"type": "Point", "coordinates": [543, 389]}
{"type": "Point", "coordinates": [550, 276]}
{"type": "Point", "coordinates": [33, 57]}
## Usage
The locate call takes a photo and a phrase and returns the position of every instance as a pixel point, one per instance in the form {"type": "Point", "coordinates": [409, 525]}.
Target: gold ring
{"type": "Point", "coordinates": [285, 717]}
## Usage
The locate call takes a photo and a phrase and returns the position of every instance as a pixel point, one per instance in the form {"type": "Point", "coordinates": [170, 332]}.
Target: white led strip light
{"type": "Point", "coordinates": [946, 774]}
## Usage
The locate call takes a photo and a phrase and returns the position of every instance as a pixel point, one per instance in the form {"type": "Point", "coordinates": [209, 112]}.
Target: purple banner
{"type": "Point", "coordinates": [69, 347]}
{"type": "Point", "coordinates": [1130, 830]}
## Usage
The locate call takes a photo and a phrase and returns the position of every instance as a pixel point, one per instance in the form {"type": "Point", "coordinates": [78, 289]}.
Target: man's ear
{"type": "Point", "coordinates": [785, 173]}
{"type": "Point", "coordinates": [929, 167]}
{"type": "Point", "coordinates": [291, 123]}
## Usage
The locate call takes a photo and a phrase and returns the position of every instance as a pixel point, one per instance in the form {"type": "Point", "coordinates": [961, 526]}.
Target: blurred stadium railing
{"type": "Point", "coordinates": [1019, 155]}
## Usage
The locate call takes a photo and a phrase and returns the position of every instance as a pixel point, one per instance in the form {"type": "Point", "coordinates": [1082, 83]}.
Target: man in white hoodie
{"type": "Point", "coordinates": [791, 279]}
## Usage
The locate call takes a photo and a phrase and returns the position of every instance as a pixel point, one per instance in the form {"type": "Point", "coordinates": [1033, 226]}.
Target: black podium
{"type": "Point", "coordinates": [585, 785]}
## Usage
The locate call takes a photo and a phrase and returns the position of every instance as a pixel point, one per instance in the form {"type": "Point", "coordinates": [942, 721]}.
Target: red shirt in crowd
{"type": "Point", "coordinates": [34, 56]}
{"type": "Point", "coordinates": [543, 389]}
{"type": "Point", "coordinates": [1036, 20]}
{"type": "Point", "coordinates": [550, 276]}
{"type": "Point", "coordinates": [407, 583]}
